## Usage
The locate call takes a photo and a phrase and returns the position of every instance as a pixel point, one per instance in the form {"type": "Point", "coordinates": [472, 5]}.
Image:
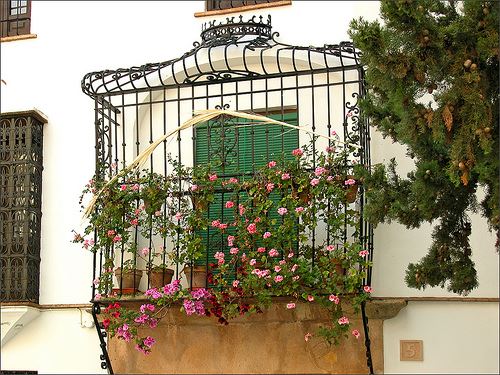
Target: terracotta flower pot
{"type": "Point", "coordinates": [128, 278]}
{"type": "Point", "coordinates": [160, 278]}
{"type": "Point", "coordinates": [199, 276]}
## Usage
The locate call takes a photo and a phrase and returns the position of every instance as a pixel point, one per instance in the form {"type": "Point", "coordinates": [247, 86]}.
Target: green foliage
{"type": "Point", "coordinates": [446, 53]}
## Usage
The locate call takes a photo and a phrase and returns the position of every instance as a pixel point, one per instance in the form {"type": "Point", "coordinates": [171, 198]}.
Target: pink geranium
{"type": "Point", "coordinates": [297, 152]}
{"type": "Point", "coordinates": [252, 228]}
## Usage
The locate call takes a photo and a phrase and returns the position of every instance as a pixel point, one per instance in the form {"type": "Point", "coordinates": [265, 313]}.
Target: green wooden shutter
{"type": "Point", "coordinates": [236, 149]}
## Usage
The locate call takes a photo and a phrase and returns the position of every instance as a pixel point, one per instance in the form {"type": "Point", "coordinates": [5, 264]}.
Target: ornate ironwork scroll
{"type": "Point", "coordinates": [21, 164]}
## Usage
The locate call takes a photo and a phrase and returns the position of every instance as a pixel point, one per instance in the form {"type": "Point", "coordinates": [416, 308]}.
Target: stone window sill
{"type": "Point", "coordinates": [17, 37]}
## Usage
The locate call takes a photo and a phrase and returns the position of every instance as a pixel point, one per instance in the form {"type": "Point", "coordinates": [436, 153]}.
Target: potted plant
{"type": "Point", "coordinates": [128, 277]}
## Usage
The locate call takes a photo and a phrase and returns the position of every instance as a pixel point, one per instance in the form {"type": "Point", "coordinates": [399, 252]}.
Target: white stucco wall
{"type": "Point", "coordinates": [102, 35]}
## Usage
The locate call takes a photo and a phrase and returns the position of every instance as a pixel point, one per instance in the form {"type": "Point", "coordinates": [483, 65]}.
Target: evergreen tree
{"type": "Point", "coordinates": [432, 77]}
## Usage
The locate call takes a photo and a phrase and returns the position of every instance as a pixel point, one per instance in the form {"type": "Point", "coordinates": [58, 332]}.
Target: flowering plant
{"type": "Point", "coordinates": [127, 206]}
{"type": "Point", "coordinates": [264, 248]}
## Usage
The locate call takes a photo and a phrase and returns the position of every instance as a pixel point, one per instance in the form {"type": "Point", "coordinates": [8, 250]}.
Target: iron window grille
{"type": "Point", "coordinates": [15, 17]}
{"type": "Point", "coordinates": [238, 65]}
{"type": "Point", "coordinates": [21, 165]}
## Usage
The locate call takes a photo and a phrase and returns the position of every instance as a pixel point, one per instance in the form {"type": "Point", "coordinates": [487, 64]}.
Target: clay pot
{"type": "Point", "coordinates": [128, 278]}
{"type": "Point", "coordinates": [160, 278]}
{"type": "Point", "coordinates": [199, 276]}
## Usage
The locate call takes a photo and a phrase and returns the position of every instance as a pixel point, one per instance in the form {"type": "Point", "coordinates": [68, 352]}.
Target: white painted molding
{"type": "Point", "coordinates": [15, 318]}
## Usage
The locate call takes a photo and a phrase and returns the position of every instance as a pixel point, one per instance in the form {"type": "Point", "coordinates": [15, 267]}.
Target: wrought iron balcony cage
{"type": "Point", "coordinates": [239, 64]}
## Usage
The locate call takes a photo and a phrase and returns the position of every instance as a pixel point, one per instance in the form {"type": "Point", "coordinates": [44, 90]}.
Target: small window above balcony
{"type": "Point", "coordinates": [217, 7]}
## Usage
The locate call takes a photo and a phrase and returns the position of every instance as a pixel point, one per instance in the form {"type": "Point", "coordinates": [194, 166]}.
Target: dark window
{"type": "Point", "coordinates": [15, 17]}
{"type": "Point", "coordinates": [228, 4]}
{"type": "Point", "coordinates": [21, 146]}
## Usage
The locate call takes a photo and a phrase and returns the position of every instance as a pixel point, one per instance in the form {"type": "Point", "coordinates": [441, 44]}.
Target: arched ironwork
{"type": "Point", "coordinates": [233, 44]}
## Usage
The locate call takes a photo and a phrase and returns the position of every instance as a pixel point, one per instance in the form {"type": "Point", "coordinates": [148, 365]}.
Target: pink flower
{"type": "Point", "coordinates": [236, 283]}
{"type": "Point", "coordinates": [123, 187]}
{"type": "Point", "coordinates": [356, 333]}
{"type": "Point", "coordinates": [149, 341]}
{"type": "Point", "coordinates": [330, 149]}
{"type": "Point", "coordinates": [252, 228]}
{"type": "Point", "coordinates": [178, 216]}
{"type": "Point", "coordinates": [285, 176]}
{"type": "Point", "coordinates": [282, 262]}
{"type": "Point", "coordinates": [315, 181]}
{"type": "Point", "coordinates": [299, 209]}
{"type": "Point", "coordinates": [157, 213]}
{"type": "Point", "coordinates": [230, 240]}
{"type": "Point", "coordinates": [233, 180]}
{"type": "Point", "coordinates": [330, 247]}
{"type": "Point", "coordinates": [310, 298]}
{"type": "Point", "coordinates": [111, 233]}
{"type": "Point", "coordinates": [96, 281]}
{"type": "Point", "coordinates": [253, 262]}
{"type": "Point", "coordinates": [343, 320]}
{"type": "Point", "coordinates": [349, 182]}
{"type": "Point", "coordinates": [271, 164]}
{"type": "Point", "coordinates": [153, 323]}
{"type": "Point", "coordinates": [296, 277]}
{"type": "Point", "coordinates": [319, 171]}
{"type": "Point", "coordinates": [117, 238]}
{"type": "Point", "coordinates": [329, 178]}
{"type": "Point", "coordinates": [135, 187]}
{"type": "Point", "coordinates": [278, 279]}
{"type": "Point", "coordinates": [212, 177]}
{"type": "Point", "coordinates": [307, 336]}
{"type": "Point", "coordinates": [273, 253]}
{"type": "Point", "coordinates": [234, 251]}
{"type": "Point", "coordinates": [261, 250]}
{"type": "Point", "coordinates": [333, 298]}
{"type": "Point", "coordinates": [290, 255]}
{"type": "Point", "coordinates": [219, 255]}
{"type": "Point", "coordinates": [241, 209]}
{"type": "Point", "coordinates": [297, 152]}
{"type": "Point", "coordinates": [229, 204]}
{"type": "Point", "coordinates": [294, 268]}
{"type": "Point", "coordinates": [266, 235]}
{"type": "Point", "coordinates": [290, 305]}
{"type": "Point", "coordinates": [147, 306]}
{"type": "Point", "coordinates": [367, 289]}
{"type": "Point", "coordinates": [363, 253]}
{"type": "Point", "coordinates": [98, 296]}
{"type": "Point", "coordinates": [194, 187]}
{"type": "Point", "coordinates": [222, 226]}
{"type": "Point", "coordinates": [333, 132]}
{"type": "Point", "coordinates": [145, 251]}
{"type": "Point", "coordinates": [349, 114]}
{"type": "Point", "coordinates": [277, 268]}
{"type": "Point", "coordinates": [216, 223]}
{"type": "Point", "coordinates": [269, 187]}
{"type": "Point", "coordinates": [282, 211]}
{"type": "Point", "coordinates": [257, 220]}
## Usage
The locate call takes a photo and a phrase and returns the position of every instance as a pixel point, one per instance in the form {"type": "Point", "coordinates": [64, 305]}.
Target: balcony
{"type": "Point", "coordinates": [232, 172]}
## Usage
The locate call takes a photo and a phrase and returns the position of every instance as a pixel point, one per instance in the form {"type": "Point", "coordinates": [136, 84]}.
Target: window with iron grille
{"type": "Point", "coordinates": [15, 17]}
{"type": "Point", "coordinates": [21, 146]}
{"type": "Point", "coordinates": [228, 4]}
